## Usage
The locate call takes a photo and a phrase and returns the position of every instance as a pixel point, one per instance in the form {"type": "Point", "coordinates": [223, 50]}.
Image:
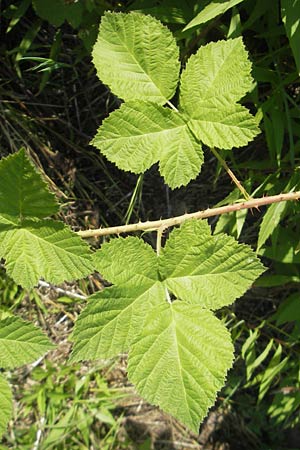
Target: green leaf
{"type": "Point", "coordinates": [179, 352]}
{"type": "Point", "coordinates": [56, 11]}
{"type": "Point", "coordinates": [210, 11]}
{"type": "Point", "coordinates": [137, 57]}
{"type": "Point", "coordinates": [288, 310]}
{"type": "Point", "coordinates": [6, 404]}
{"type": "Point", "coordinates": [139, 134]}
{"type": "Point", "coordinates": [180, 361]}
{"type": "Point", "coordinates": [43, 249]}
{"type": "Point", "coordinates": [290, 13]}
{"type": "Point", "coordinates": [215, 77]}
{"type": "Point", "coordinates": [274, 368]}
{"type": "Point", "coordinates": [113, 319]}
{"type": "Point", "coordinates": [187, 267]}
{"type": "Point", "coordinates": [170, 11]}
{"type": "Point", "coordinates": [124, 260]}
{"type": "Point", "coordinates": [209, 270]}
{"type": "Point", "coordinates": [225, 128]}
{"type": "Point", "coordinates": [21, 343]}
{"type": "Point", "coordinates": [23, 192]}
{"type": "Point", "coordinates": [270, 221]}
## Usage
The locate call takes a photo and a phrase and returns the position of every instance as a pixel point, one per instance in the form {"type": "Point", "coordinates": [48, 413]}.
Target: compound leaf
{"type": "Point", "coordinates": [180, 360]}
{"type": "Point", "coordinates": [225, 128]}
{"type": "Point", "coordinates": [43, 249]}
{"type": "Point", "coordinates": [137, 57]}
{"type": "Point", "coordinates": [213, 272]}
{"type": "Point", "coordinates": [6, 404]}
{"type": "Point", "coordinates": [179, 352]}
{"type": "Point", "coordinates": [21, 343]}
{"type": "Point", "coordinates": [215, 77]}
{"type": "Point", "coordinates": [113, 319]}
{"type": "Point", "coordinates": [23, 192]}
{"type": "Point", "coordinates": [210, 11]}
{"type": "Point", "coordinates": [139, 134]}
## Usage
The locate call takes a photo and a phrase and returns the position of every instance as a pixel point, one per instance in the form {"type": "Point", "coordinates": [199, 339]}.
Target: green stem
{"type": "Point", "coordinates": [231, 174]}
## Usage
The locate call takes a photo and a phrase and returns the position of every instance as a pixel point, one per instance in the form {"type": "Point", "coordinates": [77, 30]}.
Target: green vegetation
{"type": "Point", "coordinates": [183, 69]}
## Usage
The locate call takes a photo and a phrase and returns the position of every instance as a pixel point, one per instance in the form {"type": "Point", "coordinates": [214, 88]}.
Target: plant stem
{"type": "Point", "coordinates": [231, 174]}
{"type": "Point", "coordinates": [166, 223]}
{"type": "Point", "coordinates": [172, 106]}
{"type": "Point", "coordinates": [160, 231]}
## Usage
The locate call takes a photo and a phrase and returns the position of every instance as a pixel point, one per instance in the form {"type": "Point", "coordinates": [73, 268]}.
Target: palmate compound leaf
{"type": "Point", "coordinates": [140, 134]}
{"type": "Point", "coordinates": [35, 248]}
{"type": "Point", "coordinates": [21, 343]}
{"type": "Point", "coordinates": [188, 350]}
{"type": "Point", "coordinates": [180, 360]}
{"type": "Point", "coordinates": [6, 404]}
{"type": "Point", "coordinates": [137, 57]}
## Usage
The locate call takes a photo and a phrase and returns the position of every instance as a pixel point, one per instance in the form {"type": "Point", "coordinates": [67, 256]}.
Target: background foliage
{"type": "Point", "coordinates": [52, 104]}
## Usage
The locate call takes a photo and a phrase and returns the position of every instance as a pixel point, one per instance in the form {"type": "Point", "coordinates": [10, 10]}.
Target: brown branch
{"type": "Point", "coordinates": [166, 223]}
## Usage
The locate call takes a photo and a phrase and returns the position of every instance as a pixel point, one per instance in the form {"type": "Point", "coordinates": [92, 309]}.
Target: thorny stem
{"type": "Point", "coordinates": [166, 223]}
{"type": "Point", "coordinates": [231, 174]}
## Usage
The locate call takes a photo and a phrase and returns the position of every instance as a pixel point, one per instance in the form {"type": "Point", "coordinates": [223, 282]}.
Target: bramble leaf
{"type": "Point", "coordinates": [139, 134]}
{"type": "Point", "coordinates": [113, 318]}
{"type": "Point", "coordinates": [117, 261]}
{"type": "Point", "coordinates": [211, 271]}
{"type": "Point", "coordinates": [35, 248]}
{"type": "Point", "coordinates": [218, 75]}
{"type": "Point", "coordinates": [43, 249]}
{"type": "Point", "coordinates": [137, 57]}
{"type": "Point", "coordinates": [21, 343]}
{"type": "Point", "coordinates": [179, 352]}
{"type": "Point", "coordinates": [6, 404]}
{"type": "Point", "coordinates": [225, 128]}
{"type": "Point", "coordinates": [23, 193]}
{"type": "Point", "coordinates": [180, 360]}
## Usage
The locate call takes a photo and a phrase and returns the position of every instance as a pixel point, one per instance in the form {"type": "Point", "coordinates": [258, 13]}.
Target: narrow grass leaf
{"type": "Point", "coordinates": [290, 13]}
{"type": "Point", "coordinates": [210, 11]}
{"type": "Point", "coordinates": [270, 221]}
